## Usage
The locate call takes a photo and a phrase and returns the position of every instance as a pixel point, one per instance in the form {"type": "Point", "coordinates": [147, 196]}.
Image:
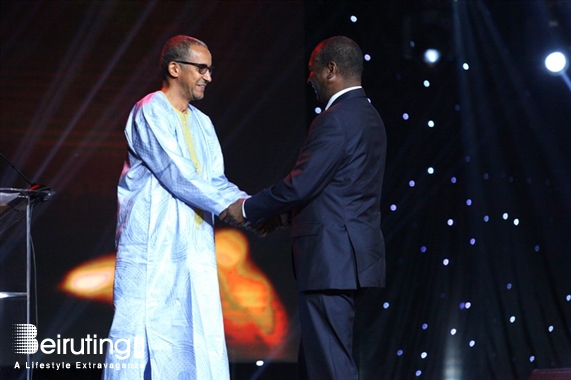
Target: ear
{"type": "Point", "coordinates": [331, 70]}
{"type": "Point", "coordinates": [174, 69]}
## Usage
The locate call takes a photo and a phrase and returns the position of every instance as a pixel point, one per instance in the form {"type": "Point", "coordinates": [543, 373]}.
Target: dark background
{"type": "Point", "coordinates": [479, 261]}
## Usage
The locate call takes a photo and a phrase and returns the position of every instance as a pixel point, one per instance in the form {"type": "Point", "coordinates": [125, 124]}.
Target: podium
{"type": "Point", "coordinates": [16, 207]}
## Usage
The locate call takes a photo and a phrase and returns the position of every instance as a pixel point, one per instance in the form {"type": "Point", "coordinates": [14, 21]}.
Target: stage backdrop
{"type": "Point", "coordinates": [72, 71]}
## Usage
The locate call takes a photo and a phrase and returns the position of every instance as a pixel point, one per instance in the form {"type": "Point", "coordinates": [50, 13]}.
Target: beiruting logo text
{"type": "Point", "coordinates": [25, 342]}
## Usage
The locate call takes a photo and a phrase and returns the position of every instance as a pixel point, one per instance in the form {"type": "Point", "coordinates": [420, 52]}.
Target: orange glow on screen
{"type": "Point", "coordinates": [93, 280]}
{"type": "Point", "coordinates": [255, 320]}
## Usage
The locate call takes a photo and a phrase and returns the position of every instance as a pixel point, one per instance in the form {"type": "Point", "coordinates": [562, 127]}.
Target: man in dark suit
{"type": "Point", "coordinates": [334, 196]}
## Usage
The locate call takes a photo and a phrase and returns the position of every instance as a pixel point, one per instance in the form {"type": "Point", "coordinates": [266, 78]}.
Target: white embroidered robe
{"type": "Point", "coordinates": [166, 296]}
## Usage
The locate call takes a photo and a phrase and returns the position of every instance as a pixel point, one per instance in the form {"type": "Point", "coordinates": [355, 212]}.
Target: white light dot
{"type": "Point", "coordinates": [411, 183]}
{"type": "Point", "coordinates": [423, 355]}
{"type": "Point", "coordinates": [405, 116]}
{"type": "Point", "coordinates": [260, 363]}
{"type": "Point", "coordinates": [532, 358]}
{"type": "Point", "coordinates": [453, 332]}
{"type": "Point", "coordinates": [550, 329]}
{"type": "Point", "coordinates": [418, 373]}
{"type": "Point", "coordinates": [426, 83]}
{"type": "Point", "coordinates": [505, 216]}
{"type": "Point", "coordinates": [468, 202]}
{"type": "Point", "coordinates": [556, 62]}
{"type": "Point", "coordinates": [399, 353]}
{"type": "Point", "coordinates": [512, 319]}
{"type": "Point", "coordinates": [367, 57]}
{"type": "Point", "coordinates": [516, 221]}
{"type": "Point", "coordinates": [568, 298]}
{"type": "Point", "coordinates": [465, 66]}
{"type": "Point", "coordinates": [486, 218]}
{"type": "Point", "coordinates": [453, 179]}
{"type": "Point", "coordinates": [430, 124]}
{"type": "Point", "coordinates": [353, 19]}
{"type": "Point", "coordinates": [472, 343]}
{"type": "Point", "coordinates": [317, 110]}
{"type": "Point", "coordinates": [424, 326]}
{"type": "Point", "coordinates": [472, 241]}
{"type": "Point", "coordinates": [393, 207]}
{"type": "Point", "coordinates": [431, 56]}
{"type": "Point", "coordinates": [450, 222]}
{"type": "Point", "coordinates": [430, 170]}
{"type": "Point", "coordinates": [445, 262]}
{"type": "Point", "coordinates": [468, 305]}
{"type": "Point", "coordinates": [386, 305]}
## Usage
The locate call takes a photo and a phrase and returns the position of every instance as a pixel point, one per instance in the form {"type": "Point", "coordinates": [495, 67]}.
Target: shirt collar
{"type": "Point", "coordinates": [338, 94]}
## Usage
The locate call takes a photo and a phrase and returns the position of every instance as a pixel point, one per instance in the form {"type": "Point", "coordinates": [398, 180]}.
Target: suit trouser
{"type": "Point", "coordinates": [326, 319]}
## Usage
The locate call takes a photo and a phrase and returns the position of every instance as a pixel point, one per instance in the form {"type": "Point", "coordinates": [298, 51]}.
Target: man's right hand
{"type": "Point", "coordinates": [233, 214]}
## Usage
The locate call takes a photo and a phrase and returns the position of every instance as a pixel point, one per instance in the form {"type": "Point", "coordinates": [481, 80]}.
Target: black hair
{"type": "Point", "coordinates": [344, 52]}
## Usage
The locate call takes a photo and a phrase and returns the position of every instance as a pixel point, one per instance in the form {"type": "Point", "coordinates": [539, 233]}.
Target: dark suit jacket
{"type": "Point", "coordinates": [334, 193]}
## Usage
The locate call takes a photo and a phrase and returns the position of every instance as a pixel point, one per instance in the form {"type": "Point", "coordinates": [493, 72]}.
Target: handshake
{"type": "Point", "coordinates": [233, 215]}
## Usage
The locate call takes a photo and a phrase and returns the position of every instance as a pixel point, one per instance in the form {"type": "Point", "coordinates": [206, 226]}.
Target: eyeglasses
{"type": "Point", "coordinates": [202, 68]}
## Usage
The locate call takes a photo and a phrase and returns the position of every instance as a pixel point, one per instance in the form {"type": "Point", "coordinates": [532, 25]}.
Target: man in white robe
{"type": "Point", "coordinates": [168, 316]}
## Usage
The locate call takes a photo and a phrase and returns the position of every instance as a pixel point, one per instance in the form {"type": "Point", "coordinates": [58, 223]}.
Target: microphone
{"type": "Point", "coordinates": [44, 192]}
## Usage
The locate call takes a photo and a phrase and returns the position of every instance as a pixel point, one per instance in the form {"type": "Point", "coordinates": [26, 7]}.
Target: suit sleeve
{"type": "Point", "coordinates": [320, 158]}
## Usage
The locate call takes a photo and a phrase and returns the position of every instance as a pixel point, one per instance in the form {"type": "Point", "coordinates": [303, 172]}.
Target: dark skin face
{"type": "Point", "coordinates": [318, 78]}
{"type": "Point", "coordinates": [326, 79]}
